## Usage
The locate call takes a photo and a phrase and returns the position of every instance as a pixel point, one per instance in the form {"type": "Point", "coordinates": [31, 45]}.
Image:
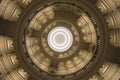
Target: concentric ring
{"type": "Point", "coordinates": [60, 39]}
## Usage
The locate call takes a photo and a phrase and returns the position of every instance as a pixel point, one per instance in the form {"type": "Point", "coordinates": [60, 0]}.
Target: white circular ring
{"type": "Point", "coordinates": [60, 39]}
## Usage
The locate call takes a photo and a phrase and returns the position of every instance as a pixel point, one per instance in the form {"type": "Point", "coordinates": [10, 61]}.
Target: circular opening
{"type": "Point", "coordinates": [60, 39]}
